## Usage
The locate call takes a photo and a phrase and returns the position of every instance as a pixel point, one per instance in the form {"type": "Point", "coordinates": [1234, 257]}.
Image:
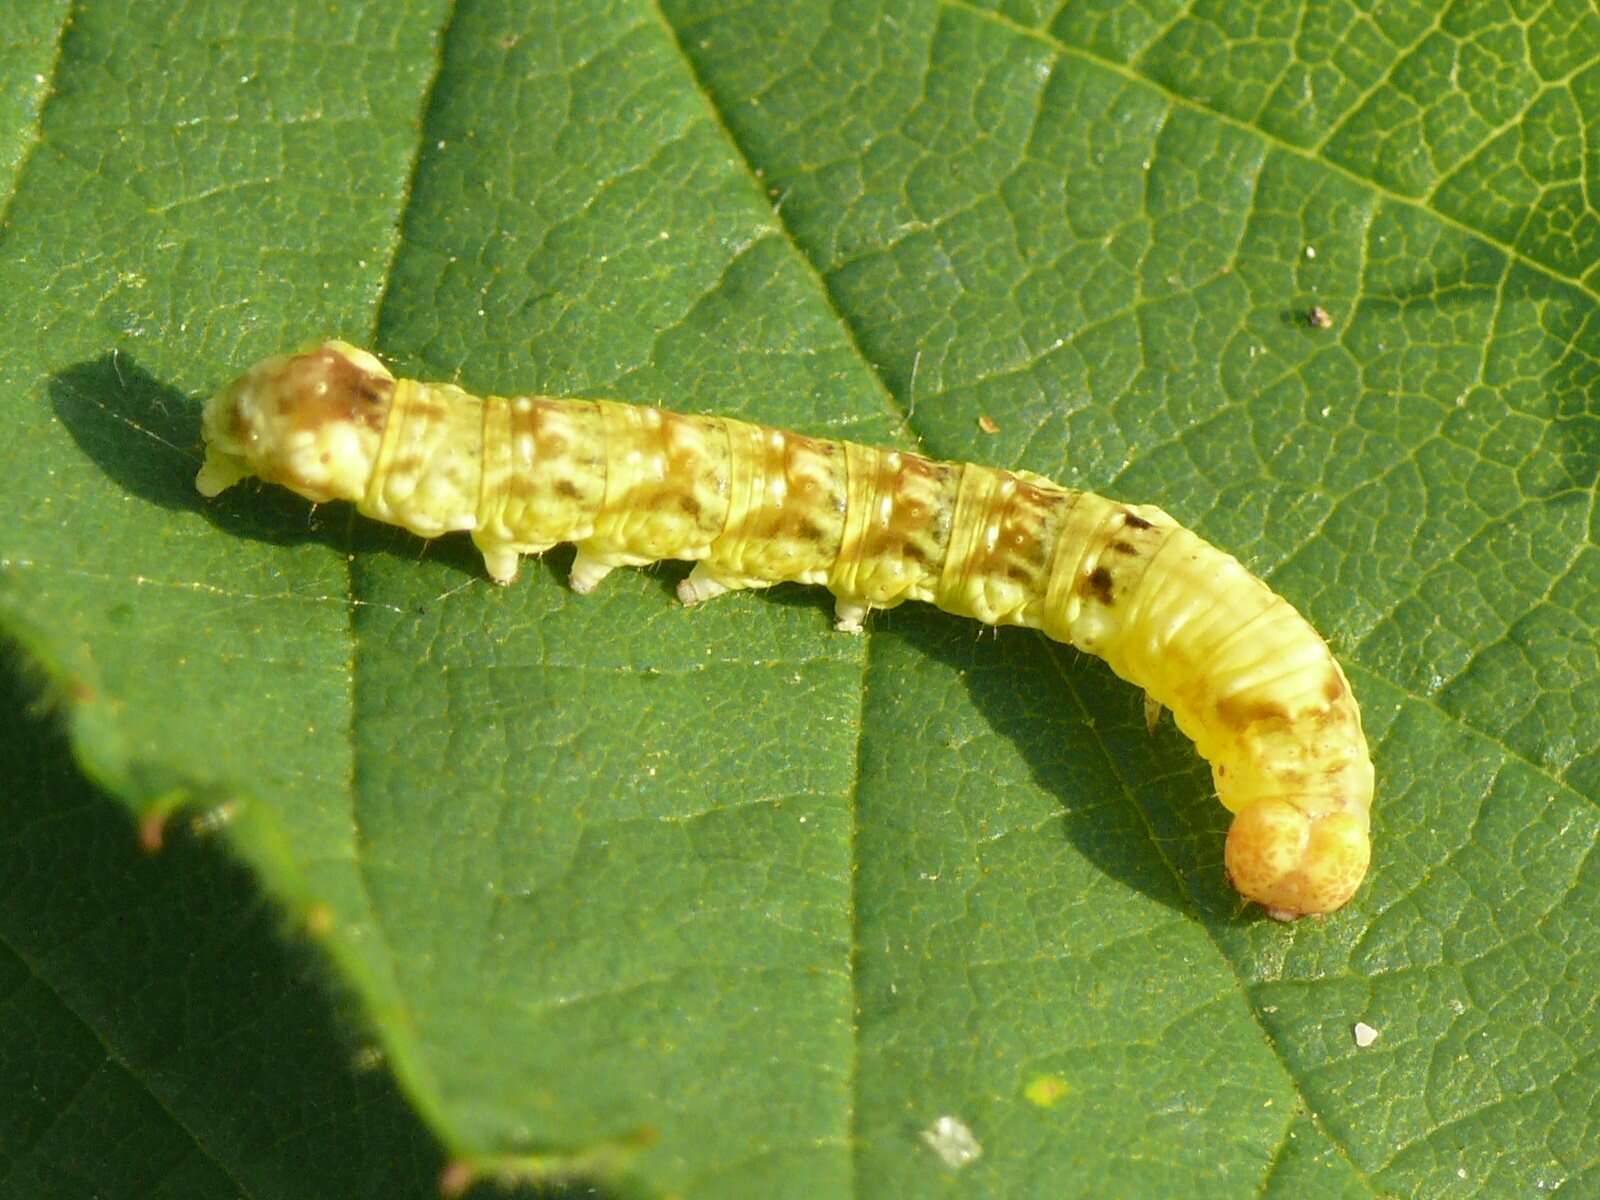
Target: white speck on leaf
{"type": "Point", "coordinates": [954, 1143]}
{"type": "Point", "coordinates": [213, 819]}
{"type": "Point", "coordinates": [1365, 1034]}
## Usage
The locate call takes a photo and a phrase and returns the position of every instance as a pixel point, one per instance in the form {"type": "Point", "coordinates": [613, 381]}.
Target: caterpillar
{"type": "Point", "coordinates": [1245, 675]}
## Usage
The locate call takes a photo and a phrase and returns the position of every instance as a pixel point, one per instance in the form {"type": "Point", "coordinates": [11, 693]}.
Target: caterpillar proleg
{"type": "Point", "coordinates": [1244, 674]}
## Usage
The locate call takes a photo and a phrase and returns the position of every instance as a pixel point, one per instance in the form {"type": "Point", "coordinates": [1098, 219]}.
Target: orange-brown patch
{"type": "Point", "coordinates": [1241, 712]}
{"type": "Point", "coordinates": [352, 394]}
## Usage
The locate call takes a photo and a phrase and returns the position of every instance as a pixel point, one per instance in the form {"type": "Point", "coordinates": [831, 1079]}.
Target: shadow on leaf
{"type": "Point", "coordinates": [1139, 805]}
{"type": "Point", "coordinates": [145, 436]}
{"type": "Point", "coordinates": [202, 1041]}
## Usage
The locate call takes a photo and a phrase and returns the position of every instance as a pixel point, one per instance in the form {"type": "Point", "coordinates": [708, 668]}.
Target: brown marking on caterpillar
{"type": "Point", "coordinates": [1019, 534]}
{"type": "Point", "coordinates": [1242, 712]}
{"type": "Point", "coordinates": [998, 536]}
{"type": "Point", "coordinates": [1326, 718]}
{"type": "Point", "coordinates": [1098, 584]}
{"type": "Point", "coordinates": [1242, 672]}
{"type": "Point", "coordinates": [337, 390]}
{"type": "Point", "coordinates": [428, 411]}
{"type": "Point", "coordinates": [810, 531]}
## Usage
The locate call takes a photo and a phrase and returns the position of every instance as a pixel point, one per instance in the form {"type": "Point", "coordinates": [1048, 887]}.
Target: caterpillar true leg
{"type": "Point", "coordinates": [589, 569]}
{"type": "Point", "coordinates": [502, 565]}
{"type": "Point", "coordinates": [849, 617]}
{"type": "Point", "coordinates": [1244, 674]}
{"type": "Point", "coordinates": [703, 583]}
{"type": "Point", "coordinates": [503, 561]}
{"type": "Point", "coordinates": [1152, 712]}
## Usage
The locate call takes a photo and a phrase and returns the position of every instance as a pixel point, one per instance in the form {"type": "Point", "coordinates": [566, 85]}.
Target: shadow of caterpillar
{"type": "Point", "coordinates": [1244, 674]}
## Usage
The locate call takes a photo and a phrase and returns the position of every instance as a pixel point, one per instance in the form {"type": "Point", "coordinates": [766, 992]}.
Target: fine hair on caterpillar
{"type": "Point", "coordinates": [1245, 675]}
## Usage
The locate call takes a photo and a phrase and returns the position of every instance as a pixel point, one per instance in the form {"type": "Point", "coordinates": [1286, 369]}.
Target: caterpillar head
{"type": "Point", "coordinates": [1290, 761]}
{"type": "Point", "coordinates": [1293, 862]}
{"type": "Point", "coordinates": [311, 421]}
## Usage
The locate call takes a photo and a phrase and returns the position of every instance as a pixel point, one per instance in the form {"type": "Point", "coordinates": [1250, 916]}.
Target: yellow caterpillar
{"type": "Point", "coordinates": [1244, 674]}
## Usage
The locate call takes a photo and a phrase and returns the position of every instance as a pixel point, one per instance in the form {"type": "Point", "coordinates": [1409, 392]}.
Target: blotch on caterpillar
{"type": "Point", "coordinates": [1098, 584]}
{"type": "Point", "coordinates": [1244, 674]}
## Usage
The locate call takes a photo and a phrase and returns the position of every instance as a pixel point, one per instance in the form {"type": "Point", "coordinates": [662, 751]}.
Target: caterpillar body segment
{"type": "Point", "coordinates": [1246, 677]}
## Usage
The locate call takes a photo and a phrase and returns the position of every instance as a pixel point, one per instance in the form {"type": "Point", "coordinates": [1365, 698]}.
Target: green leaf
{"type": "Point", "coordinates": [719, 903]}
{"type": "Point", "coordinates": [157, 1037]}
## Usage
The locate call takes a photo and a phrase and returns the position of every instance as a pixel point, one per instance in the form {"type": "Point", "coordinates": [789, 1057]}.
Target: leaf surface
{"type": "Point", "coordinates": [719, 903]}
